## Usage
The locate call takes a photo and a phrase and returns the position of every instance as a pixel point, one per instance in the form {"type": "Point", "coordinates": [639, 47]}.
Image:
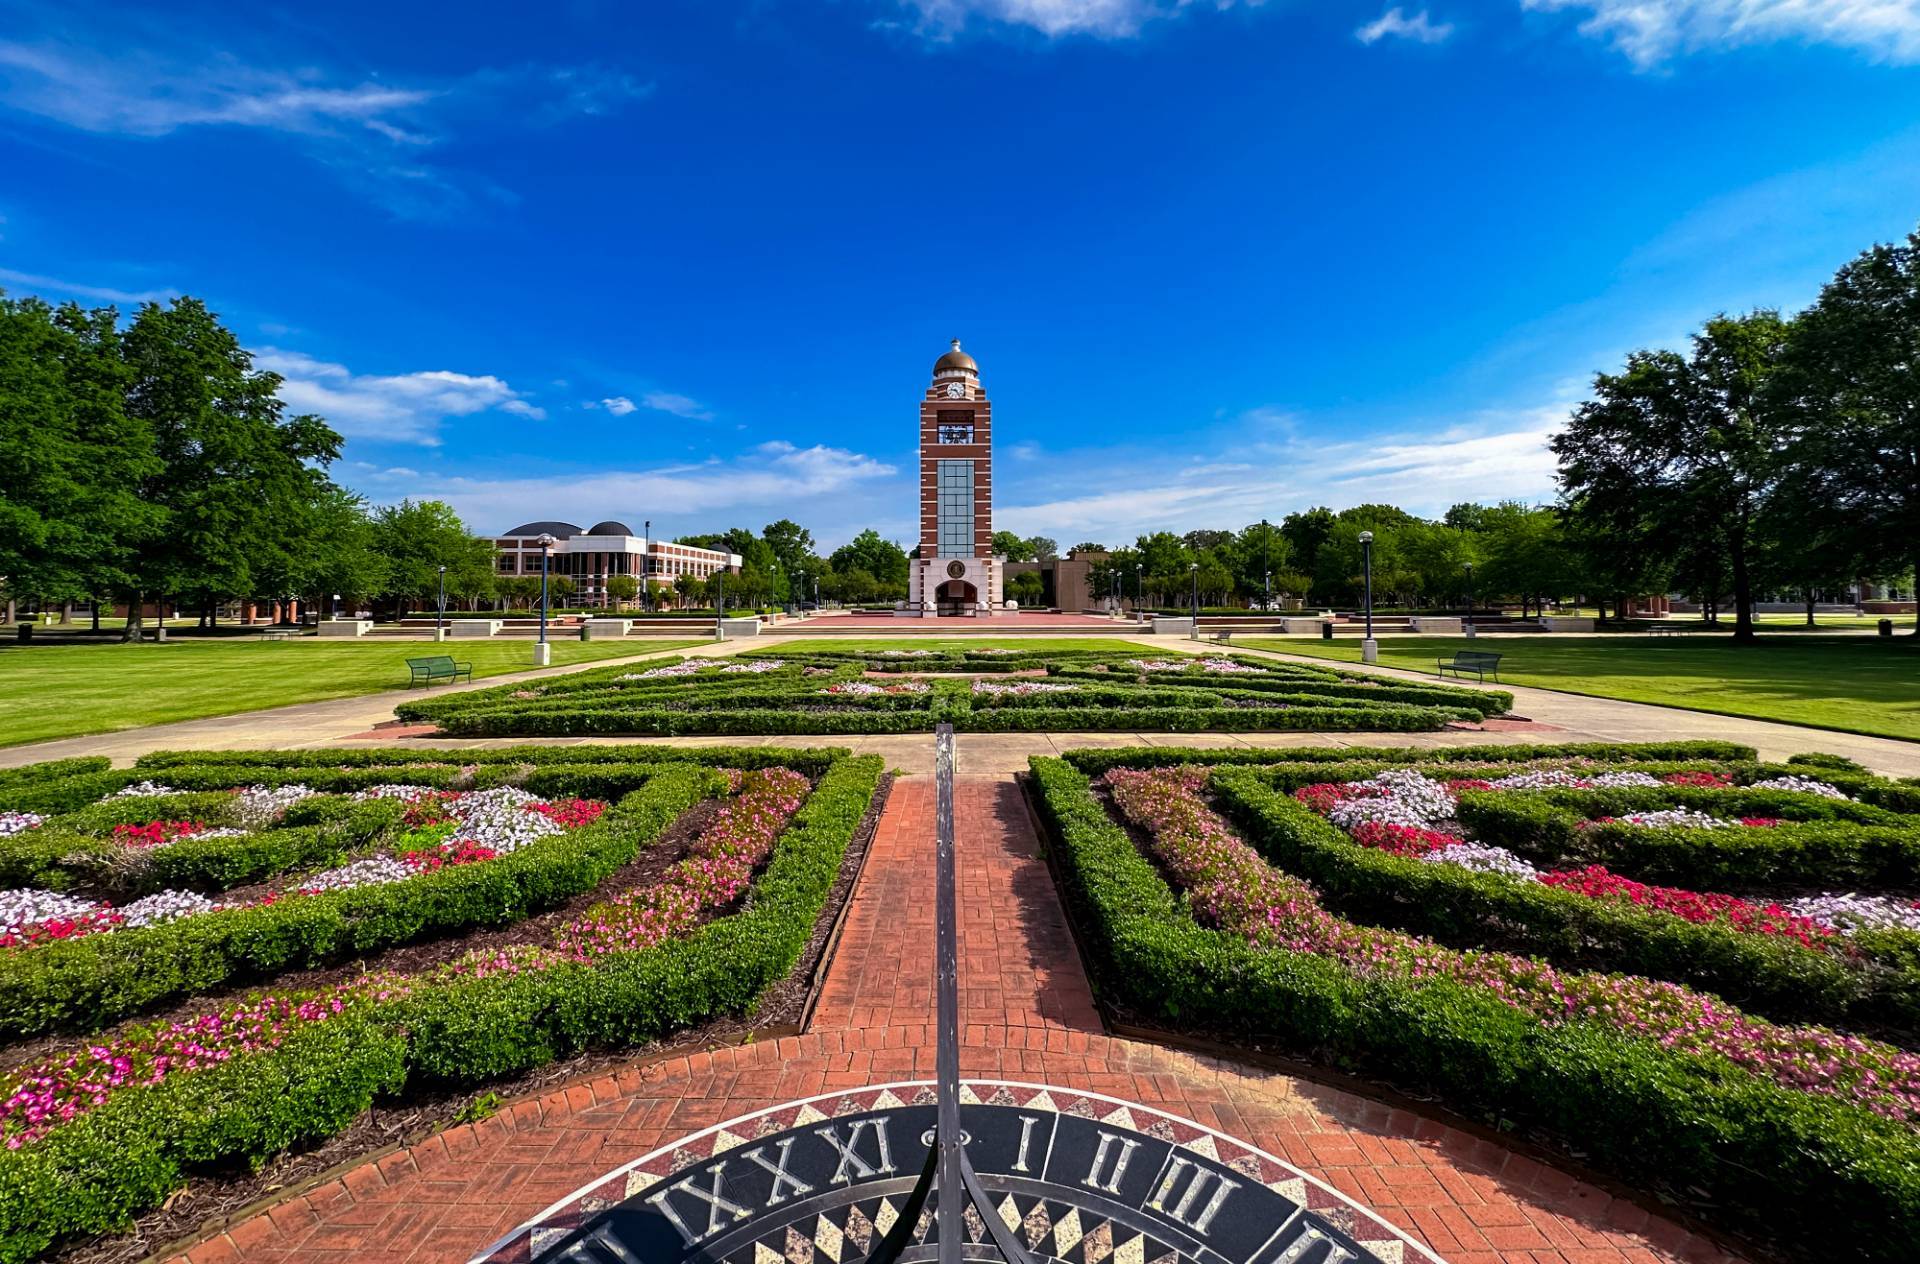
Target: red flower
{"type": "Point", "coordinates": [1600, 883]}
{"type": "Point", "coordinates": [1706, 780]}
{"type": "Point", "coordinates": [1760, 822]}
{"type": "Point", "coordinates": [1468, 783]}
{"type": "Point", "coordinates": [154, 833]}
{"type": "Point", "coordinates": [1401, 840]}
{"type": "Point", "coordinates": [571, 813]}
{"type": "Point", "coordinates": [1323, 795]}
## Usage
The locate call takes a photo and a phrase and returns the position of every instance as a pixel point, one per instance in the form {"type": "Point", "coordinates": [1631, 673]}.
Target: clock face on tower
{"type": "Point", "coordinates": [956, 391]}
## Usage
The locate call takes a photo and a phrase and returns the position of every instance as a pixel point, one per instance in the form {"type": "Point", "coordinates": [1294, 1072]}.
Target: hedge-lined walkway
{"type": "Point", "coordinates": [1029, 1015]}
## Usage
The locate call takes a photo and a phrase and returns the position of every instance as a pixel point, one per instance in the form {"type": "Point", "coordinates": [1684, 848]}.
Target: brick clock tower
{"type": "Point", "coordinates": [954, 571]}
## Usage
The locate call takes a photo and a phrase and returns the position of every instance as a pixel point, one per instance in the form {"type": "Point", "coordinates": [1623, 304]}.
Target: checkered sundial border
{"type": "Point", "coordinates": [1083, 1178]}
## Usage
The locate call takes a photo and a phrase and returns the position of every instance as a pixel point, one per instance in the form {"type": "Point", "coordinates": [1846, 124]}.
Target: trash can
{"type": "Point", "coordinates": [586, 631]}
{"type": "Point", "coordinates": [25, 632]}
{"type": "Point", "coordinates": [1326, 630]}
{"type": "Point", "coordinates": [1886, 627]}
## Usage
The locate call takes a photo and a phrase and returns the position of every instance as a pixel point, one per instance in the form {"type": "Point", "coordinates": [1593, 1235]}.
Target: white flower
{"type": "Point", "coordinates": [28, 906]}
{"type": "Point", "coordinates": [371, 872]}
{"type": "Point", "coordinates": [19, 822]}
{"type": "Point", "coordinates": [1399, 796]}
{"type": "Point", "coordinates": [1484, 858]}
{"type": "Point", "coordinates": [1617, 780]}
{"type": "Point", "coordinates": [1677, 818]}
{"type": "Point", "coordinates": [1849, 912]}
{"type": "Point", "coordinates": [166, 906]}
{"type": "Point", "coordinates": [141, 790]}
{"type": "Point", "coordinates": [260, 806]}
{"type": "Point", "coordinates": [501, 819]}
{"type": "Point", "coordinates": [1801, 785]}
{"type": "Point", "coordinates": [993, 688]}
{"type": "Point", "coordinates": [1541, 779]}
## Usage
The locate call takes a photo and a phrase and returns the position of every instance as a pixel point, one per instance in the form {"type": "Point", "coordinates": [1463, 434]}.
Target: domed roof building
{"type": "Point", "coordinates": [610, 527]}
{"type": "Point", "coordinates": [956, 361]}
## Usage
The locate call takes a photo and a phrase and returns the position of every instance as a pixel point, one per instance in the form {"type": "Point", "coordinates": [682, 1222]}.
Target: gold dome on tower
{"type": "Point", "coordinates": [956, 359]}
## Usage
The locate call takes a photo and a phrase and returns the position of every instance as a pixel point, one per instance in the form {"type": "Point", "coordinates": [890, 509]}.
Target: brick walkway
{"type": "Point", "coordinates": [1028, 1015]}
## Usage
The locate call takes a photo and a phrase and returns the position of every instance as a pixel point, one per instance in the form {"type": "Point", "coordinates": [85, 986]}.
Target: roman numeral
{"type": "Point", "coordinates": [599, 1249]}
{"type": "Point", "coordinates": [1026, 1138]}
{"type": "Point", "coordinates": [1195, 1190]}
{"type": "Point", "coordinates": [1111, 1181]}
{"type": "Point", "coordinates": [781, 1177]}
{"type": "Point", "coordinates": [714, 1197]}
{"type": "Point", "coordinates": [849, 1150]}
{"type": "Point", "coordinates": [1310, 1237]}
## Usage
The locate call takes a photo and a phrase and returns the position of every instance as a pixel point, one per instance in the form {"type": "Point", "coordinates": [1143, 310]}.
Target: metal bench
{"type": "Point", "coordinates": [1224, 637]}
{"type": "Point", "coordinates": [276, 634]}
{"type": "Point", "coordinates": [427, 670]}
{"type": "Point", "coordinates": [1474, 661]}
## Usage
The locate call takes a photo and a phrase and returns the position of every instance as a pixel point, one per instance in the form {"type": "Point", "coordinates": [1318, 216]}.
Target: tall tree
{"type": "Point", "coordinates": [1306, 531]}
{"type": "Point", "coordinates": [884, 560]}
{"type": "Point", "coordinates": [235, 472]}
{"type": "Point", "coordinates": [1681, 451]}
{"type": "Point", "coordinates": [418, 537]}
{"type": "Point", "coordinates": [72, 462]}
{"type": "Point", "coordinates": [1853, 380]}
{"type": "Point", "coordinates": [1014, 548]}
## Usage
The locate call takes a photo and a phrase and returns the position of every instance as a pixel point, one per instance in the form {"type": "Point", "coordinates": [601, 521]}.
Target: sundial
{"type": "Point", "coordinates": [946, 1171]}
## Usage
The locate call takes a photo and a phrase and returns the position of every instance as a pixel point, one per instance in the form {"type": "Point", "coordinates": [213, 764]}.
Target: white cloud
{"type": "Point", "coordinates": [678, 405]}
{"type": "Point", "coordinates": [619, 405]}
{"type": "Point", "coordinates": [401, 408]}
{"type": "Point", "coordinates": [1486, 459]}
{"type": "Point", "coordinates": [1650, 31]}
{"type": "Point", "coordinates": [100, 293]}
{"type": "Point", "coordinates": [1395, 23]}
{"type": "Point", "coordinates": [1110, 19]}
{"type": "Point", "coordinates": [771, 481]}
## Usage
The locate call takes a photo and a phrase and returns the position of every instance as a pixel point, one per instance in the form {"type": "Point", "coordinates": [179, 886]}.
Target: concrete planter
{"type": "Point", "coordinates": [597, 628]}
{"type": "Point", "coordinates": [1434, 625]}
{"type": "Point", "coordinates": [463, 628]}
{"type": "Point", "coordinates": [1296, 626]}
{"type": "Point", "coordinates": [344, 627]}
{"type": "Point", "coordinates": [731, 629]}
{"type": "Point", "coordinates": [1165, 626]}
{"type": "Point", "coordinates": [1556, 623]}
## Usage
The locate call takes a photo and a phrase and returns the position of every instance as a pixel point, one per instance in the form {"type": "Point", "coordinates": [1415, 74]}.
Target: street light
{"type": "Point", "coordinates": [1193, 569]}
{"type": "Point", "coordinates": [1469, 598]}
{"type": "Point", "coordinates": [803, 589]}
{"type": "Point", "coordinates": [542, 652]}
{"type": "Point", "coordinates": [1139, 591]}
{"type": "Point", "coordinates": [1266, 569]}
{"type": "Point", "coordinates": [1369, 649]}
{"type": "Point", "coordinates": [646, 565]}
{"type": "Point", "coordinates": [440, 622]}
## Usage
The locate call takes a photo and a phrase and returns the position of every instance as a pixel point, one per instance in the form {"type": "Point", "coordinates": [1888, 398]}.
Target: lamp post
{"type": "Point", "coordinates": [802, 595]}
{"type": "Point", "coordinates": [1139, 587]}
{"type": "Point", "coordinates": [646, 565]}
{"type": "Point", "coordinates": [542, 652]}
{"type": "Point", "coordinates": [1266, 569]}
{"type": "Point", "coordinates": [1469, 624]}
{"type": "Point", "coordinates": [440, 621]}
{"type": "Point", "coordinates": [1369, 648]}
{"type": "Point", "coordinates": [1193, 569]}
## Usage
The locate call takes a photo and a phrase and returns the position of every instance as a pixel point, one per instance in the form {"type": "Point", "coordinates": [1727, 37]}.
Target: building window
{"type": "Point", "coordinates": [953, 482]}
{"type": "Point", "coordinates": [955, 426]}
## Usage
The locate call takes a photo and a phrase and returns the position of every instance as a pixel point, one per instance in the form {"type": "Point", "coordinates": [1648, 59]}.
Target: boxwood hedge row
{"type": "Point", "coordinates": [1761, 1154]}
{"type": "Point", "coordinates": [95, 1174]}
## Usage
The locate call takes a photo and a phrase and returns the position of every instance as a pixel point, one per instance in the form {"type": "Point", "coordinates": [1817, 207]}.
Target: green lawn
{"type": "Point", "coordinates": [1853, 684]}
{"type": "Point", "coordinates": [1038, 644]}
{"type": "Point", "coordinates": [67, 690]}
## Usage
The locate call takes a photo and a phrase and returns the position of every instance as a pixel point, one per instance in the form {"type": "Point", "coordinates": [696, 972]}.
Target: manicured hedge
{"type": "Point", "coordinates": [1763, 1155]}
{"type": "Point", "coordinates": [408, 760]}
{"type": "Point", "coordinates": [1826, 854]}
{"type": "Point", "coordinates": [95, 1174]}
{"type": "Point", "coordinates": [80, 984]}
{"type": "Point", "coordinates": [1095, 762]}
{"type": "Point", "coordinates": [1465, 908]}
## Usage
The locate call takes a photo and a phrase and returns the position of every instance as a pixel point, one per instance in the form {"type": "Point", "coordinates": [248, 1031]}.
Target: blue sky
{"type": "Point", "coordinates": [693, 261]}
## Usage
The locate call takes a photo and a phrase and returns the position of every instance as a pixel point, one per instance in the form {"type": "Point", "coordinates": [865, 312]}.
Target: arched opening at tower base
{"type": "Point", "coordinates": [956, 597]}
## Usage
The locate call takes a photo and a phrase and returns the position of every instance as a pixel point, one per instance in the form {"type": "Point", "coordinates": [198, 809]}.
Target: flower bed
{"type": "Point", "coordinates": [1663, 1084]}
{"type": "Point", "coordinates": [825, 691]}
{"type": "Point", "coordinates": [111, 1126]}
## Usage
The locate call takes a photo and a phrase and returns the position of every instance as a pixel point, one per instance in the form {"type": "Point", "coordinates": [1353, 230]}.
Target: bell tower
{"type": "Point", "coordinates": [954, 571]}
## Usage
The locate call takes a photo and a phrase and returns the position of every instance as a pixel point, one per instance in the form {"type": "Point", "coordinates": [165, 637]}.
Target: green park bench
{"type": "Point", "coordinates": [427, 670]}
{"type": "Point", "coordinates": [1474, 661]}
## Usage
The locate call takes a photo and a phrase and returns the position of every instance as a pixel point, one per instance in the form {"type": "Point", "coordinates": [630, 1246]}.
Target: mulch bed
{"type": "Point", "coordinates": [208, 1204]}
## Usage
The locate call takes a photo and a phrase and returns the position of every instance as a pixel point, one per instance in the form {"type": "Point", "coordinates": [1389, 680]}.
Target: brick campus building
{"type": "Point", "coordinates": [592, 556]}
{"type": "Point", "coordinates": [954, 571]}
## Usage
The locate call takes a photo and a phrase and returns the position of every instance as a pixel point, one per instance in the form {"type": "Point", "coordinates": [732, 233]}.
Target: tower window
{"type": "Point", "coordinates": [954, 486]}
{"type": "Point", "coordinates": [955, 425]}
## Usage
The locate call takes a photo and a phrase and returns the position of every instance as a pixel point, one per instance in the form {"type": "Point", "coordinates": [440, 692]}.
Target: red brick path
{"type": "Point", "coordinates": [1028, 1015]}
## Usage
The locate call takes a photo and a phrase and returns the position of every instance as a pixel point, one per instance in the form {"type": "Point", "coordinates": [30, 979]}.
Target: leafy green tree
{"type": "Point", "coordinates": [235, 473]}
{"type": "Point", "coordinates": [622, 588]}
{"type": "Point", "coordinates": [417, 537]}
{"type": "Point", "coordinates": [1013, 547]}
{"type": "Point", "coordinates": [1027, 588]}
{"type": "Point", "coordinates": [1853, 382]}
{"type": "Point", "coordinates": [1682, 451]}
{"type": "Point", "coordinates": [1306, 531]}
{"type": "Point", "coordinates": [72, 462]}
{"type": "Point", "coordinates": [1087, 546]}
{"type": "Point", "coordinates": [1259, 550]}
{"type": "Point", "coordinates": [1526, 555]}
{"type": "Point", "coordinates": [792, 546]}
{"type": "Point", "coordinates": [335, 552]}
{"type": "Point", "coordinates": [884, 560]}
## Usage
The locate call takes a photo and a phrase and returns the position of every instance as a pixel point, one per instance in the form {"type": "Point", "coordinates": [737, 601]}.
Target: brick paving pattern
{"type": "Point", "coordinates": [1028, 1014]}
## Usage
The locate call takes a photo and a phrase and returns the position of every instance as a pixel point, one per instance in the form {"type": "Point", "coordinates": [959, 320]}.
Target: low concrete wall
{"type": "Point", "coordinates": [1164, 626]}
{"type": "Point", "coordinates": [461, 629]}
{"type": "Point", "coordinates": [1297, 625]}
{"type": "Point", "coordinates": [344, 627]}
{"type": "Point", "coordinates": [1435, 625]}
{"type": "Point", "coordinates": [609, 627]}
{"type": "Point", "coordinates": [1558, 623]}
{"type": "Point", "coordinates": [731, 629]}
